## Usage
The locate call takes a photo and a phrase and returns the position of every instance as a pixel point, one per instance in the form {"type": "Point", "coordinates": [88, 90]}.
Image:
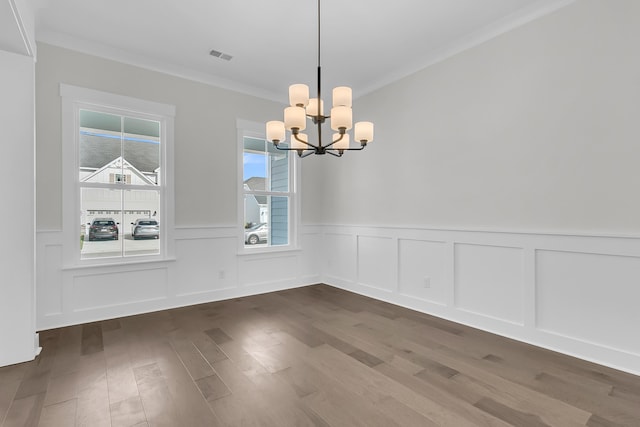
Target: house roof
{"type": "Point", "coordinates": [96, 151]}
{"type": "Point", "coordinates": [119, 163]}
{"type": "Point", "coordinates": [257, 183]}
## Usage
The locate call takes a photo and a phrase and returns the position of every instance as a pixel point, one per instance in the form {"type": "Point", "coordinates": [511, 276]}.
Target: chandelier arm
{"type": "Point", "coordinates": [337, 140]}
{"type": "Point", "coordinates": [331, 151]}
{"type": "Point", "coordinates": [295, 135]}
{"type": "Point", "coordinates": [319, 118]}
{"type": "Point", "coordinates": [295, 149]}
{"type": "Point", "coordinates": [348, 149]}
{"type": "Point", "coordinates": [290, 149]}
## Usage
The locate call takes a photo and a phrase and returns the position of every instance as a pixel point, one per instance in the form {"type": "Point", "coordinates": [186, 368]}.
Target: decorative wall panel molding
{"type": "Point", "coordinates": [423, 270]}
{"type": "Point", "coordinates": [488, 280]}
{"type": "Point", "coordinates": [589, 297]}
{"type": "Point", "coordinates": [341, 255]}
{"type": "Point", "coordinates": [569, 293]}
{"type": "Point", "coordinates": [575, 294]}
{"type": "Point", "coordinates": [207, 267]}
{"type": "Point", "coordinates": [377, 262]}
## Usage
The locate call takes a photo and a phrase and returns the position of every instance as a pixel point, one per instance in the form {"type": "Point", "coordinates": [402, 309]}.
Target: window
{"type": "Point", "coordinates": [268, 193]}
{"type": "Point", "coordinates": [118, 177]}
{"type": "Point", "coordinates": [120, 194]}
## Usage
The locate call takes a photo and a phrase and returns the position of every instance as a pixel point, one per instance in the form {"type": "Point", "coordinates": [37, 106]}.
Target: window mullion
{"type": "Point", "coordinates": [268, 193]}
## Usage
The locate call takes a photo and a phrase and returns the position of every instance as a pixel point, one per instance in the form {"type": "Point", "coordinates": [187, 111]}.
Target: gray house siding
{"type": "Point", "coordinates": [279, 205]}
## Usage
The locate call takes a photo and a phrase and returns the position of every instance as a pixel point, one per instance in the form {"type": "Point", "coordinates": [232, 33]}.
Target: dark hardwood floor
{"type": "Point", "coordinates": [314, 356]}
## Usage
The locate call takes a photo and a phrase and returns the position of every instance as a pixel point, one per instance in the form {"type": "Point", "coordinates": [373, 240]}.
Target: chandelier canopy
{"type": "Point", "coordinates": [302, 108]}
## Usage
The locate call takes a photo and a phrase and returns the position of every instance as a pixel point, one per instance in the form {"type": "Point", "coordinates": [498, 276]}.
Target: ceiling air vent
{"type": "Point", "coordinates": [220, 55]}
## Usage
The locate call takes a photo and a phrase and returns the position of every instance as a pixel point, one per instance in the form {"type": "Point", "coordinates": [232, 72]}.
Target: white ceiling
{"type": "Point", "coordinates": [365, 43]}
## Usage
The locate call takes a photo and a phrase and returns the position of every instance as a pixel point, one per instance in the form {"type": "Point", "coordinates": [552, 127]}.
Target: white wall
{"type": "Point", "coordinates": [534, 130]}
{"type": "Point", "coordinates": [207, 265]}
{"type": "Point", "coordinates": [205, 132]}
{"type": "Point", "coordinates": [17, 180]}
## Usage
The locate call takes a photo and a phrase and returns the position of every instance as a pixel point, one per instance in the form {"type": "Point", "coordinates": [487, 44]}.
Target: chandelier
{"type": "Point", "coordinates": [302, 108]}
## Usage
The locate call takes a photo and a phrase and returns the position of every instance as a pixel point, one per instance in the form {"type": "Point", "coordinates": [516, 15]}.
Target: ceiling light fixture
{"type": "Point", "coordinates": [303, 108]}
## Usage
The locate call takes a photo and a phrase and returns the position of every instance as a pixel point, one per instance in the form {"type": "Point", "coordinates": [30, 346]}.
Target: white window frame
{"type": "Point", "coordinates": [246, 128]}
{"type": "Point", "coordinates": [75, 98]}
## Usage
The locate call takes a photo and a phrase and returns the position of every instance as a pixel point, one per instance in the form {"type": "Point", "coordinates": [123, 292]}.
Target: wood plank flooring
{"type": "Point", "coordinates": [313, 356]}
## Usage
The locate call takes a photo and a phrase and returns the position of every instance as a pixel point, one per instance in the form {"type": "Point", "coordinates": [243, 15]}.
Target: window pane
{"type": "Point", "coordinates": [279, 220]}
{"type": "Point", "coordinates": [255, 162]}
{"type": "Point", "coordinates": [119, 149]}
{"type": "Point", "coordinates": [142, 228]}
{"type": "Point", "coordinates": [141, 151]}
{"type": "Point", "coordinates": [279, 171]}
{"type": "Point", "coordinates": [117, 223]}
{"type": "Point", "coordinates": [101, 219]}
{"type": "Point", "coordinates": [266, 220]}
{"type": "Point", "coordinates": [264, 166]}
{"type": "Point", "coordinates": [100, 147]}
{"type": "Point", "coordinates": [256, 218]}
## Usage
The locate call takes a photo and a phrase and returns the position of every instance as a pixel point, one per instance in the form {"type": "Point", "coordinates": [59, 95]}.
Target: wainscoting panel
{"type": "Point", "coordinates": [103, 290]}
{"type": "Point", "coordinates": [489, 281]}
{"type": "Point", "coordinates": [422, 270]}
{"type": "Point", "coordinates": [589, 297]}
{"type": "Point", "coordinates": [265, 268]}
{"type": "Point", "coordinates": [205, 267]}
{"type": "Point", "coordinates": [576, 294]}
{"type": "Point", "coordinates": [313, 256]}
{"type": "Point", "coordinates": [341, 254]}
{"type": "Point", "coordinates": [49, 299]}
{"type": "Point", "coordinates": [377, 262]}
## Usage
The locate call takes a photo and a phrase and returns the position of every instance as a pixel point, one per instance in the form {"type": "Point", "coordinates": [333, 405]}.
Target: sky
{"type": "Point", "coordinates": [254, 165]}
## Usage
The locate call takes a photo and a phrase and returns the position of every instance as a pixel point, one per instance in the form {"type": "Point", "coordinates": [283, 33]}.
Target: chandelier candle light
{"type": "Point", "coordinates": [303, 108]}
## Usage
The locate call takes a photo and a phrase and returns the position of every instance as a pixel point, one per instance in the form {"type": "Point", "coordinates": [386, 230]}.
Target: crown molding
{"type": "Point", "coordinates": [508, 23]}
{"type": "Point", "coordinates": [15, 19]}
{"type": "Point", "coordinates": [497, 28]}
{"type": "Point", "coordinates": [119, 55]}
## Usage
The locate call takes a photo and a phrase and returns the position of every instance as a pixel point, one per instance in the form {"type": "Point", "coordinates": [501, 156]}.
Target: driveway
{"type": "Point", "coordinates": [109, 248]}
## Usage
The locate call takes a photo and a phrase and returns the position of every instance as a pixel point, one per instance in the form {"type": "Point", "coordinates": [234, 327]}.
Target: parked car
{"type": "Point", "coordinates": [103, 228]}
{"type": "Point", "coordinates": [145, 228]}
{"type": "Point", "coordinates": [256, 234]}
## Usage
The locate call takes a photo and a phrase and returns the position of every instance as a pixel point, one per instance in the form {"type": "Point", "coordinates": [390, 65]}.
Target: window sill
{"type": "Point", "coordinates": [133, 263]}
{"type": "Point", "coordinates": [270, 250]}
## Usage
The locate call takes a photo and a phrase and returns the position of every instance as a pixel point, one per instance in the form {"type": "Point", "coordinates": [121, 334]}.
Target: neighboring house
{"type": "Point", "coordinates": [99, 148]}
{"type": "Point", "coordinates": [102, 161]}
{"type": "Point", "coordinates": [256, 207]}
{"type": "Point", "coordinates": [118, 170]}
